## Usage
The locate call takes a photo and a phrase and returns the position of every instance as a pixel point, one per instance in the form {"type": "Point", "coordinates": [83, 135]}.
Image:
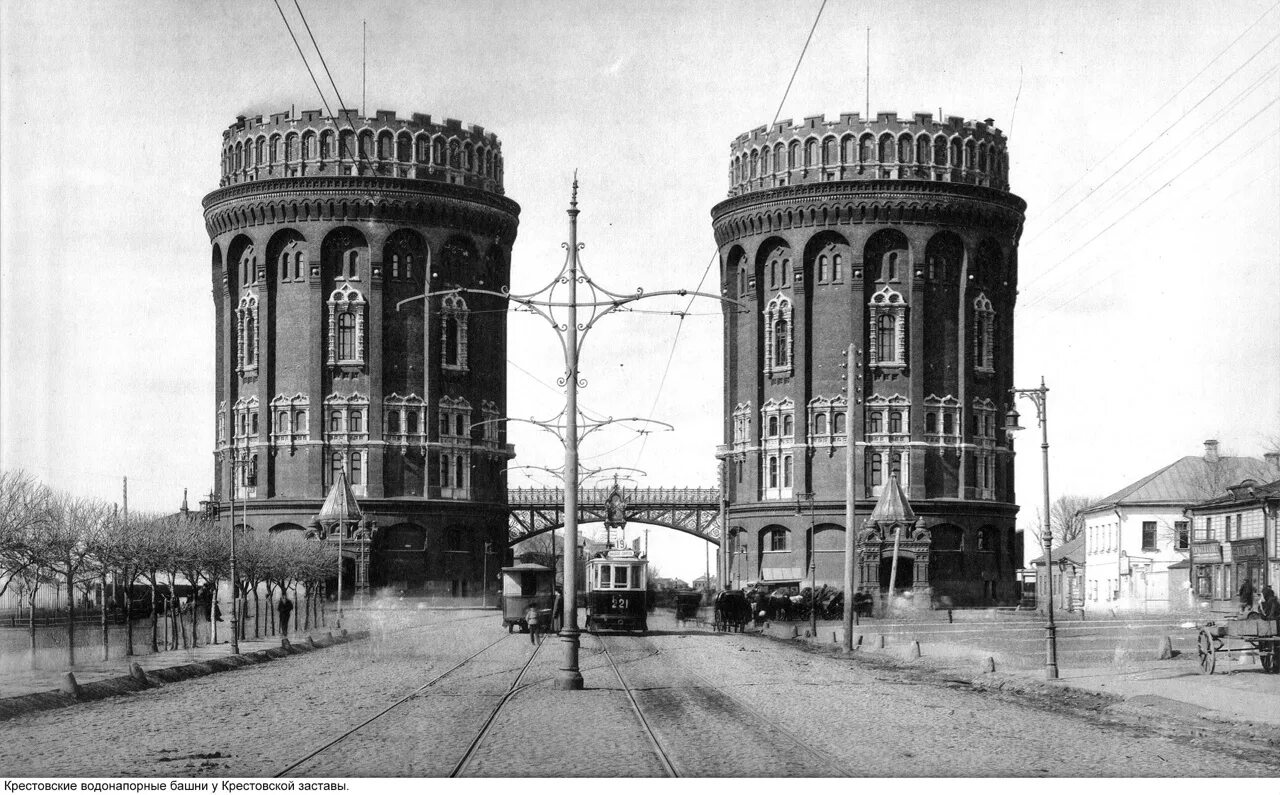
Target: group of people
{"type": "Point", "coordinates": [1268, 608]}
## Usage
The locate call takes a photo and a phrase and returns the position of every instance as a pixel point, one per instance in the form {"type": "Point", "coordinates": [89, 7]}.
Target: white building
{"type": "Point", "coordinates": [1134, 536]}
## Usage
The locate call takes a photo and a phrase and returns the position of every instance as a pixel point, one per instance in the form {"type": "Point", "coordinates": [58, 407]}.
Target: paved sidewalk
{"type": "Point", "coordinates": [90, 667]}
{"type": "Point", "coordinates": [1237, 691]}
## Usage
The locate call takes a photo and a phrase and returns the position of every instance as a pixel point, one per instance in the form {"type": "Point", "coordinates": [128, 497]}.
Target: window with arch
{"type": "Point", "coordinates": [248, 337]}
{"type": "Point", "coordinates": [773, 425]}
{"type": "Point", "coordinates": [940, 150]}
{"type": "Point", "coordinates": [352, 259]}
{"type": "Point", "coordinates": [794, 155]}
{"type": "Point", "coordinates": [346, 327]}
{"type": "Point", "coordinates": [886, 149]}
{"type": "Point", "coordinates": [888, 319]}
{"type": "Point", "coordinates": [829, 153]}
{"type": "Point", "coordinates": [326, 145]}
{"type": "Point", "coordinates": [779, 157]}
{"type": "Point", "coordinates": [741, 427]}
{"type": "Point", "coordinates": [366, 144]}
{"type": "Point", "coordinates": [404, 148]}
{"type": "Point", "coordinates": [779, 540]}
{"type": "Point", "coordinates": [454, 315]}
{"type": "Point", "coordinates": [786, 472]}
{"type": "Point", "coordinates": [778, 336]}
{"type": "Point", "coordinates": [866, 147]}
{"type": "Point", "coordinates": [290, 418]}
{"type": "Point", "coordinates": [839, 424]}
{"type": "Point", "coordinates": [940, 421]}
{"type": "Point", "coordinates": [820, 425]}
{"type": "Point", "coordinates": [891, 264]}
{"type": "Point", "coordinates": [811, 153]}
{"type": "Point", "coordinates": [788, 426]}
{"type": "Point", "coordinates": [837, 273]}
{"type": "Point", "coordinates": [904, 149]}
{"type": "Point", "coordinates": [984, 334]}
{"type": "Point", "coordinates": [773, 472]}
{"type": "Point", "coordinates": [273, 147]}
{"type": "Point", "coordinates": [422, 149]}
{"type": "Point", "coordinates": [924, 156]}
{"type": "Point", "coordinates": [290, 147]}
{"type": "Point", "coordinates": [823, 274]}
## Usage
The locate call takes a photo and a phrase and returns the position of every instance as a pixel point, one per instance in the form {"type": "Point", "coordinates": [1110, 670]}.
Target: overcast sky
{"type": "Point", "coordinates": [1150, 262]}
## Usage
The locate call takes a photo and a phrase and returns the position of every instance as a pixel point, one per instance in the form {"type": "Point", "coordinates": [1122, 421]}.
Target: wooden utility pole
{"type": "Point", "coordinates": [851, 573]}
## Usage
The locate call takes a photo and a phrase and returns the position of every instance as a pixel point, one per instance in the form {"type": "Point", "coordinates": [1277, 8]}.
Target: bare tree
{"type": "Point", "coordinates": [1065, 520]}
{"type": "Point", "coordinates": [68, 543]}
{"type": "Point", "coordinates": [23, 507]}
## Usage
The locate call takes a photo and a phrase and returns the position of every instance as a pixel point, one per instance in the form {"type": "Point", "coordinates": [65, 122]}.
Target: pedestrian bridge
{"type": "Point", "coordinates": [690, 510]}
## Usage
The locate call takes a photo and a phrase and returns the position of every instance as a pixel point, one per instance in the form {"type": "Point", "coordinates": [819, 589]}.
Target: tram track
{"type": "Point", "coordinates": [416, 693]}
{"type": "Point", "coordinates": [684, 701]}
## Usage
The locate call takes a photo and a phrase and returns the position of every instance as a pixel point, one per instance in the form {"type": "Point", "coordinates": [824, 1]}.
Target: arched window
{"type": "Point", "coordinates": [839, 422]}
{"type": "Point", "coordinates": [895, 422]}
{"type": "Point", "coordinates": [820, 425]}
{"type": "Point", "coordinates": [335, 422]}
{"type": "Point", "coordinates": [347, 145]}
{"type": "Point", "coordinates": [886, 339]}
{"type": "Point", "coordinates": [779, 157]}
{"type": "Point", "coordinates": [393, 422]}
{"type": "Point", "coordinates": [346, 336]}
{"type": "Point", "coordinates": [829, 152]}
{"type": "Point", "coordinates": [793, 155]}
{"type": "Point", "coordinates": [876, 470]}
{"type": "Point", "coordinates": [773, 472]}
{"type": "Point", "coordinates": [308, 145]}
{"type": "Point", "coordinates": [282, 421]}
{"type": "Point", "coordinates": [251, 472]}
{"type": "Point", "coordinates": [458, 477]}
{"type": "Point", "coordinates": [326, 145]}
{"type": "Point", "coordinates": [886, 149]}
{"type": "Point", "coordinates": [299, 421]}
{"type": "Point", "coordinates": [773, 425]}
{"type": "Point", "coordinates": [408, 266]}
{"type": "Point", "coordinates": [875, 422]}
{"type": "Point", "coordinates": [923, 155]}
{"type": "Point", "coordinates": [983, 334]}
{"type": "Point", "coordinates": [948, 424]}
{"type": "Point", "coordinates": [786, 472]}
{"type": "Point", "coordinates": [423, 149]}
{"type": "Point", "coordinates": [957, 158]}
{"type": "Point", "coordinates": [788, 425]}
{"type": "Point", "coordinates": [822, 267]}
{"type": "Point", "coordinates": [356, 425]}
{"type": "Point", "coordinates": [284, 266]}
{"type": "Point", "coordinates": [931, 422]}
{"type": "Point", "coordinates": [353, 265]}
{"type": "Point", "coordinates": [459, 425]}
{"type": "Point", "coordinates": [258, 149]}
{"type": "Point", "coordinates": [357, 469]}
{"type": "Point", "coordinates": [411, 421]}
{"type": "Point", "coordinates": [835, 268]}
{"type": "Point", "coordinates": [395, 266]}
{"type": "Point", "coordinates": [780, 332]}
{"type": "Point", "coordinates": [865, 146]}
{"type": "Point", "coordinates": [811, 153]}
{"type": "Point", "coordinates": [336, 467]}
{"type": "Point", "coordinates": [366, 145]}
{"type": "Point", "coordinates": [274, 153]}
{"type": "Point", "coordinates": [454, 316]}
{"type": "Point", "coordinates": [940, 151]}
{"type": "Point", "coordinates": [297, 265]}
{"type": "Point", "coordinates": [404, 148]}
{"type": "Point", "coordinates": [848, 150]}
{"type": "Point", "coordinates": [904, 149]}
{"type": "Point", "coordinates": [778, 540]}
{"type": "Point", "coordinates": [290, 148]}
{"type": "Point", "coordinates": [889, 267]}
{"type": "Point", "coordinates": [895, 465]}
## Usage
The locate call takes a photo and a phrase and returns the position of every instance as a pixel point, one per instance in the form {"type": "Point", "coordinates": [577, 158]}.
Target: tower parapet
{"type": "Point", "coordinates": [312, 144]}
{"type": "Point", "coordinates": [853, 148]}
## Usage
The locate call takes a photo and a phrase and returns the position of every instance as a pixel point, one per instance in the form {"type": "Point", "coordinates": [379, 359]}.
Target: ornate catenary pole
{"type": "Point", "coordinates": [850, 506]}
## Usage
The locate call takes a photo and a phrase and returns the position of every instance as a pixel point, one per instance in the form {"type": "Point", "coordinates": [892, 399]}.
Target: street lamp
{"type": "Point", "coordinates": [1038, 397]}
{"type": "Point", "coordinates": [484, 577]}
{"type": "Point", "coordinates": [813, 563]}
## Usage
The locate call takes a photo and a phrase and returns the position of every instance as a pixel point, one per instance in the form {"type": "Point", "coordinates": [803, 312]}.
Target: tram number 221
{"type": "Point", "coordinates": [619, 603]}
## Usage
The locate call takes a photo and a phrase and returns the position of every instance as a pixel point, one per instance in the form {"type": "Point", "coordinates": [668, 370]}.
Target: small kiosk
{"type": "Point", "coordinates": [526, 584]}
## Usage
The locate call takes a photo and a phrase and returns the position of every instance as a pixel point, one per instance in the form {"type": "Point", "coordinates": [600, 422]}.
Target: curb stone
{"type": "Point", "coordinates": [15, 706]}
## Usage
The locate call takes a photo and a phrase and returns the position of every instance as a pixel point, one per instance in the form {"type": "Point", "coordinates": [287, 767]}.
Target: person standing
{"type": "Point", "coordinates": [285, 609]}
{"type": "Point", "coordinates": [1246, 595]}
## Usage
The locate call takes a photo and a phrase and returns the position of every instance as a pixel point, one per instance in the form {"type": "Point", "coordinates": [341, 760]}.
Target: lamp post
{"type": "Point", "coordinates": [484, 577]}
{"type": "Point", "coordinates": [1038, 397]}
{"type": "Point", "coordinates": [813, 563]}
{"type": "Point", "coordinates": [235, 607]}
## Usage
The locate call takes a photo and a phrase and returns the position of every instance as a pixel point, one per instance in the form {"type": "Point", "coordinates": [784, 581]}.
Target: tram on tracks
{"type": "Point", "coordinates": [617, 596]}
{"type": "Point", "coordinates": [526, 585]}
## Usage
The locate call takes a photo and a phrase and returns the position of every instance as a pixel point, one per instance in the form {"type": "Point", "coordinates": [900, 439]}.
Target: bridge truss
{"type": "Point", "coordinates": [695, 511]}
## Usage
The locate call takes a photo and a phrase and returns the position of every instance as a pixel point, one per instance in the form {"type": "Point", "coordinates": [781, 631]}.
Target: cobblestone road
{"type": "Point", "coordinates": [719, 705]}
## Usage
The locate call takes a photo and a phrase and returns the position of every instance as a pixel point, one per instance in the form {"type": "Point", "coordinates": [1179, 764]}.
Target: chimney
{"type": "Point", "coordinates": [1211, 450]}
{"type": "Point", "coordinates": [1273, 460]}
{"type": "Point", "coordinates": [185, 510]}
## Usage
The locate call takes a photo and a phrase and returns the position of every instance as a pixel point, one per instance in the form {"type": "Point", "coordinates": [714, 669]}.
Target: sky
{"type": "Point", "coordinates": [1144, 136]}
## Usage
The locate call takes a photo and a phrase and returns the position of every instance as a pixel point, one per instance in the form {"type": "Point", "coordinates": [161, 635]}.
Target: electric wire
{"type": "Point", "coordinates": [1123, 192]}
{"type": "Point", "coordinates": [1113, 224]}
{"type": "Point", "coordinates": [675, 341]}
{"type": "Point", "coordinates": [357, 154]}
{"type": "Point", "coordinates": [1183, 117]}
{"type": "Point", "coordinates": [1165, 104]}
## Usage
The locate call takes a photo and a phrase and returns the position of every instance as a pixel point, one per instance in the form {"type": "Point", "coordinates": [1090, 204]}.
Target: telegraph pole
{"type": "Point", "coordinates": [851, 573]}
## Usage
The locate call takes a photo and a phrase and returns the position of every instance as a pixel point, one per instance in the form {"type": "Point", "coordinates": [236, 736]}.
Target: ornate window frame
{"type": "Point", "coordinates": [742, 427]}
{"type": "Point", "coordinates": [882, 459]}
{"type": "Point", "coordinates": [888, 303]}
{"type": "Point", "coordinates": [248, 334]}
{"type": "Point", "coordinates": [885, 406]}
{"type": "Point", "coordinates": [346, 405]}
{"type": "Point", "coordinates": [828, 408]}
{"type": "Point", "coordinates": [293, 430]}
{"type": "Point", "coordinates": [453, 308]}
{"type": "Point", "coordinates": [492, 432]}
{"type": "Point", "coordinates": [346, 299]}
{"type": "Point", "coordinates": [941, 407]}
{"type": "Point", "coordinates": [404, 405]}
{"type": "Point", "coordinates": [984, 333]}
{"type": "Point", "coordinates": [777, 450]}
{"type": "Point", "coordinates": [779, 310]}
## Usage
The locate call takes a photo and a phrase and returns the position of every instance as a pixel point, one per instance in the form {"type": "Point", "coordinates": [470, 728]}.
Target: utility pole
{"type": "Point", "coordinates": [853, 372]}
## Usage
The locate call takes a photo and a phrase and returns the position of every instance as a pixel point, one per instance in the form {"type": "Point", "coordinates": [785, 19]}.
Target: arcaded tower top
{"type": "Point", "coordinates": [886, 147]}
{"type": "Point", "coordinates": [312, 144]}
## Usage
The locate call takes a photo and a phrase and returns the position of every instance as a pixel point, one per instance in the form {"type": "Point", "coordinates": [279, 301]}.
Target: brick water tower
{"type": "Point", "coordinates": [323, 229]}
{"type": "Point", "coordinates": [899, 236]}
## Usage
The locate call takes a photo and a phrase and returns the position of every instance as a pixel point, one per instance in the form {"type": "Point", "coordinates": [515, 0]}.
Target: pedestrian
{"type": "Point", "coordinates": [1246, 595]}
{"type": "Point", "coordinates": [285, 608]}
{"type": "Point", "coordinates": [531, 620]}
{"type": "Point", "coordinates": [1270, 607]}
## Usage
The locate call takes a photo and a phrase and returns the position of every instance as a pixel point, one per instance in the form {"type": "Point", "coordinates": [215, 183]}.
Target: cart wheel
{"type": "Point", "coordinates": [1270, 654]}
{"type": "Point", "coordinates": [1205, 650]}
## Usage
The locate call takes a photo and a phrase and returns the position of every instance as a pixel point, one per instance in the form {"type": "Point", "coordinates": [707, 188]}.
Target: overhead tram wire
{"type": "Point", "coordinates": [1163, 105]}
{"type": "Point", "coordinates": [1193, 135]}
{"type": "Point", "coordinates": [1183, 117]}
{"type": "Point", "coordinates": [716, 253]}
{"type": "Point", "coordinates": [341, 104]}
{"type": "Point", "coordinates": [1113, 224]}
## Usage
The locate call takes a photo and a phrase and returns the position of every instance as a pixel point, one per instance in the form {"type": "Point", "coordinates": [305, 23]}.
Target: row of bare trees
{"type": "Point", "coordinates": [50, 539]}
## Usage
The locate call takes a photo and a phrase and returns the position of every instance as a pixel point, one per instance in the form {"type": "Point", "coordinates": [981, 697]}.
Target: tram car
{"type": "Point", "coordinates": [617, 596]}
{"type": "Point", "coordinates": [526, 584]}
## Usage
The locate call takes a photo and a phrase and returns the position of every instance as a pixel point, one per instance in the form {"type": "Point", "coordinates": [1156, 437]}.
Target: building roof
{"type": "Point", "coordinates": [892, 507]}
{"type": "Point", "coordinates": [1246, 492]}
{"type": "Point", "coordinates": [1073, 550]}
{"type": "Point", "coordinates": [1188, 480]}
{"type": "Point", "coordinates": [340, 505]}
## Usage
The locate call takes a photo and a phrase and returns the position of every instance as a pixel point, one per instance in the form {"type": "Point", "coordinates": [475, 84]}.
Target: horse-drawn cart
{"type": "Point", "coordinates": [1239, 635]}
{"type": "Point", "coordinates": [687, 604]}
